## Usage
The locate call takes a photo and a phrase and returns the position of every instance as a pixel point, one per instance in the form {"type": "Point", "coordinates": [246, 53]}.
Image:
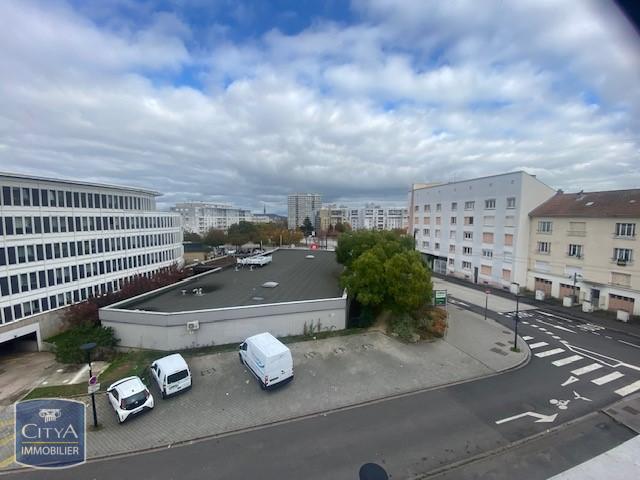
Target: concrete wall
{"type": "Point", "coordinates": [45, 325]}
{"type": "Point", "coordinates": [168, 331]}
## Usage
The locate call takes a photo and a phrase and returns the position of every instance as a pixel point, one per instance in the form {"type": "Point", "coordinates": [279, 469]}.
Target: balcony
{"type": "Point", "coordinates": [616, 236]}
{"type": "Point", "coordinates": [621, 262]}
{"type": "Point", "coordinates": [577, 257]}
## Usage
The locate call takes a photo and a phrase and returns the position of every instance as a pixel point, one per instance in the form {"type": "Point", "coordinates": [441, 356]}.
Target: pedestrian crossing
{"type": "Point", "coordinates": [560, 357]}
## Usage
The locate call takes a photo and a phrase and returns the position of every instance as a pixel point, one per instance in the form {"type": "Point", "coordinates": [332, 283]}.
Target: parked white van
{"type": "Point", "coordinates": [268, 359]}
{"type": "Point", "coordinates": [172, 374]}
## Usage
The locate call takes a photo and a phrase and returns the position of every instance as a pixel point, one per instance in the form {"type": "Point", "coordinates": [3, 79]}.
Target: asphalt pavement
{"type": "Point", "coordinates": [574, 371]}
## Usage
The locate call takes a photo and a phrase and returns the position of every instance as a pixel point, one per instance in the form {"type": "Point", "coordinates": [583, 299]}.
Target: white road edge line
{"type": "Point", "coordinates": [630, 344]}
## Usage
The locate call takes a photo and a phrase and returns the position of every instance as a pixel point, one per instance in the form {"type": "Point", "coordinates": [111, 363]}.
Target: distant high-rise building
{"type": "Point", "coordinates": [301, 206]}
{"type": "Point", "coordinates": [198, 217]}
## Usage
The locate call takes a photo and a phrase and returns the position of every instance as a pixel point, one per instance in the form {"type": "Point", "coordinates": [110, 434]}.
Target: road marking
{"type": "Point", "coordinates": [570, 380]}
{"type": "Point", "coordinates": [541, 418]}
{"type": "Point", "coordinates": [555, 337]}
{"type": "Point", "coordinates": [557, 326]}
{"type": "Point", "coordinates": [527, 323]}
{"type": "Point", "coordinates": [548, 353]}
{"type": "Point", "coordinates": [630, 344]}
{"type": "Point", "coordinates": [7, 461]}
{"type": "Point", "coordinates": [595, 333]}
{"type": "Point", "coordinates": [587, 369]}
{"type": "Point", "coordinates": [580, 397]}
{"type": "Point", "coordinates": [556, 316]}
{"type": "Point", "coordinates": [632, 387]}
{"type": "Point", "coordinates": [538, 345]}
{"type": "Point", "coordinates": [607, 336]}
{"type": "Point", "coordinates": [567, 361]}
{"type": "Point", "coordinates": [83, 371]}
{"type": "Point", "coordinates": [527, 338]}
{"type": "Point", "coordinates": [500, 313]}
{"type": "Point", "coordinates": [461, 303]}
{"type": "Point", "coordinates": [608, 378]}
{"type": "Point", "coordinates": [598, 357]}
{"type": "Point", "coordinates": [542, 329]}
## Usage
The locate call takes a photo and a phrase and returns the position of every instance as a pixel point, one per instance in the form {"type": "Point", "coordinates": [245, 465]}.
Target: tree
{"type": "Point", "coordinates": [306, 227]}
{"type": "Point", "coordinates": [241, 233]}
{"type": "Point", "coordinates": [214, 237]}
{"type": "Point", "coordinates": [409, 282]}
{"type": "Point", "coordinates": [192, 237]}
{"type": "Point", "coordinates": [353, 244]}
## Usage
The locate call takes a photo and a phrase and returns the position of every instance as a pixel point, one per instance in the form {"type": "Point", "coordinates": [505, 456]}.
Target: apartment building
{"type": "Point", "coordinates": [477, 229]}
{"type": "Point", "coordinates": [301, 206]}
{"type": "Point", "coordinates": [376, 217]}
{"type": "Point", "coordinates": [583, 245]}
{"type": "Point", "coordinates": [63, 241]}
{"type": "Point", "coordinates": [199, 217]}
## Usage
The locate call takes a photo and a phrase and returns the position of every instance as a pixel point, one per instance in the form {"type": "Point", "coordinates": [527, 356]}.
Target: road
{"type": "Point", "coordinates": [575, 369]}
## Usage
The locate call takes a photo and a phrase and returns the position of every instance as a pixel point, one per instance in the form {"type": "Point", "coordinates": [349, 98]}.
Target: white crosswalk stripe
{"type": "Point", "coordinates": [548, 353]}
{"type": "Point", "coordinates": [632, 387]}
{"type": "Point", "coordinates": [567, 361]}
{"type": "Point", "coordinates": [607, 378]}
{"type": "Point", "coordinates": [538, 345]}
{"type": "Point", "coordinates": [527, 338]}
{"type": "Point", "coordinates": [587, 369]}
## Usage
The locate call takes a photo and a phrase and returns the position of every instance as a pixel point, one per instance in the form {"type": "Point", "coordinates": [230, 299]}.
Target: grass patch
{"type": "Point", "coordinates": [136, 363]}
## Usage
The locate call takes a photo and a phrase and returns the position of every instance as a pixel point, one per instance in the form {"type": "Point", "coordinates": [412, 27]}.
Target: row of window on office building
{"type": "Point", "coordinates": [36, 197]}
{"type": "Point", "coordinates": [12, 255]}
{"type": "Point", "coordinates": [50, 302]}
{"type": "Point", "coordinates": [56, 224]}
{"type": "Point", "coordinates": [489, 204]}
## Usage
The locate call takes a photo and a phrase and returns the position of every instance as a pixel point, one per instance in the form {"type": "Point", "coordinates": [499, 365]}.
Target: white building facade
{"type": "Point", "coordinates": [199, 217]}
{"type": "Point", "coordinates": [477, 229]}
{"type": "Point", "coordinates": [301, 206]}
{"type": "Point", "coordinates": [62, 242]}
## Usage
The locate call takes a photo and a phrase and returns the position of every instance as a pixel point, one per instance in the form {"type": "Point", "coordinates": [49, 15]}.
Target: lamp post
{"type": "Point", "coordinates": [486, 303]}
{"type": "Point", "coordinates": [87, 347]}
{"type": "Point", "coordinates": [515, 334]}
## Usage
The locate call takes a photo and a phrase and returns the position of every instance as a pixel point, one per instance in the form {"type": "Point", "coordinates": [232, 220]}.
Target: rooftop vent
{"type": "Point", "coordinates": [632, 201]}
{"type": "Point", "coordinates": [310, 256]}
{"type": "Point", "coordinates": [257, 299]}
{"type": "Point", "coordinates": [588, 204]}
{"type": "Point", "coordinates": [270, 284]}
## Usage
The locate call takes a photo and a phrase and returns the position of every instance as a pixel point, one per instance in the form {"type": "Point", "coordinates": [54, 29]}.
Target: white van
{"type": "Point", "coordinates": [268, 359]}
{"type": "Point", "coordinates": [172, 374]}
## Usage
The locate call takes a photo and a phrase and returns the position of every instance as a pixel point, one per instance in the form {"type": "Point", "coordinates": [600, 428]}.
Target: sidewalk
{"type": "Point", "coordinates": [575, 313]}
{"type": "Point", "coordinates": [330, 374]}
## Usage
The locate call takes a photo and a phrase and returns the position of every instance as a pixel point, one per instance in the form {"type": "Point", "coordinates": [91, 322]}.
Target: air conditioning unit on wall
{"type": "Point", "coordinates": [193, 326]}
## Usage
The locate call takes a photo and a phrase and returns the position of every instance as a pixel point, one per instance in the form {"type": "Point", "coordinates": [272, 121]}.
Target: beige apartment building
{"type": "Point", "coordinates": [583, 245]}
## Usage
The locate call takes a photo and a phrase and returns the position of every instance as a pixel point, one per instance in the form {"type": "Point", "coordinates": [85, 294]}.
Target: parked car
{"type": "Point", "coordinates": [172, 374]}
{"type": "Point", "coordinates": [128, 397]}
{"type": "Point", "coordinates": [268, 359]}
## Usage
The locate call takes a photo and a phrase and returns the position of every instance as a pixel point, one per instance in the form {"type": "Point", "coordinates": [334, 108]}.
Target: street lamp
{"type": "Point", "coordinates": [516, 286]}
{"type": "Point", "coordinates": [87, 347]}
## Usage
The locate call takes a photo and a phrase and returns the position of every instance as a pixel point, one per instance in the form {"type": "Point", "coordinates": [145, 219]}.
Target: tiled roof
{"type": "Point", "coordinates": [614, 203]}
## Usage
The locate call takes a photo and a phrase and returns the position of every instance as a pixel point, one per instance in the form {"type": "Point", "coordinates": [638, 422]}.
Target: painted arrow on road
{"type": "Point", "coordinates": [541, 418]}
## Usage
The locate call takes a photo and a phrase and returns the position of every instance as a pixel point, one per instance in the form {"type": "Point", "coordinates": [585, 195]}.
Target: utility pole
{"type": "Point", "coordinates": [575, 279]}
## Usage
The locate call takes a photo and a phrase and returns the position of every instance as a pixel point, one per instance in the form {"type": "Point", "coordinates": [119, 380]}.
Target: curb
{"type": "Point", "coordinates": [275, 423]}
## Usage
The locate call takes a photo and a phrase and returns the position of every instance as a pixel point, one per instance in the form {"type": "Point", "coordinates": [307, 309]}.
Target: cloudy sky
{"type": "Point", "coordinates": [245, 102]}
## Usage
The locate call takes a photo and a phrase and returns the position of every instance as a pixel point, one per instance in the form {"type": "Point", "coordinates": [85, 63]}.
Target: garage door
{"type": "Point", "coordinates": [544, 285]}
{"type": "Point", "coordinates": [618, 302]}
{"type": "Point", "coordinates": [567, 291]}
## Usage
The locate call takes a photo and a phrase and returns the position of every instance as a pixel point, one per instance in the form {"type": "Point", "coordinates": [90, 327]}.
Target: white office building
{"type": "Point", "coordinates": [199, 217]}
{"type": "Point", "coordinates": [63, 241]}
{"type": "Point", "coordinates": [301, 206]}
{"type": "Point", "coordinates": [477, 229]}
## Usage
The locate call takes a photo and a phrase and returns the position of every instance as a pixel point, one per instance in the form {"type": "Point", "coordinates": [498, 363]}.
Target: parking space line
{"type": "Point", "coordinates": [567, 361]}
{"type": "Point", "coordinates": [538, 345]}
{"type": "Point", "coordinates": [7, 461]}
{"type": "Point", "coordinates": [548, 353]}
{"type": "Point", "coordinates": [632, 387]}
{"type": "Point", "coordinates": [587, 369]}
{"type": "Point", "coordinates": [608, 378]}
{"type": "Point", "coordinates": [527, 338]}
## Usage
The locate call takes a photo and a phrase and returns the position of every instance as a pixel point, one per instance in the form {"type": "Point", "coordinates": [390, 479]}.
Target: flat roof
{"type": "Point", "coordinates": [299, 278]}
{"type": "Point", "coordinates": [19, 176]}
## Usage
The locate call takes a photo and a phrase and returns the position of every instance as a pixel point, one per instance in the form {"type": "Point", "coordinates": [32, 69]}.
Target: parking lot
{"type": "Point", "coordinates": [329, 374]}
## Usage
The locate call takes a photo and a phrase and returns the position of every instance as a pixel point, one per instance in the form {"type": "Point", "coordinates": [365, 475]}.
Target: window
{"type": "Point", "coordinates": [438, 207]}
{"type": "Point", "coordinates": [511, 202]}
{"type": "Point", "coordinates": [508, 239]}
{"type": "Point", "coordinates": [425, 243]}
{"type": "Point", "coordinates": [487, 237]}
{"type": "Point", "coordinates": [544, 247]}
{"type": "Point", "coordinates": [466, 265]}
{"type": "Point", "coordinates": [438, 220]}
{"type": "Point", "coordinates": [622, 255]}
{"type": "Point", "coordinates": [577, 229]}
{"type": "Point", "coordinates": [467, 250]}
{"type": "Point", "coordinates": [468, 220]}
{"type": "Point", "coordinates": [454, 220]}
{"type": "Point", "coordinates": [452, 249]}
{"type": "Point", "coordinates": [19, 226]}
{"type": "Point", "coordinates": [489, 221]}
{"type": "Point", "coordinates": [506, 274]}
{"type": "Point", "coordinates": [6, 196]}
{"type": "Point", "coordinates": [468, 235]}
{"type": "Point", "coordinates": [544, 226]}
{"type": "Point", "coordinates": [425, 231]}
{"type": "Point", "coordinates": [416, 208]}
{"type": "Point", "coordinates": [454, 206]}
{"type": "Point", "coordinates": [625, 229]}
{"type": "Point", "coordinates": [622, 279]}
{"type": "Point", "coordinates": [452, 262]}
{"type": "Point", "coordinates": [437, 246]}
{"type": "Point", "coordinates": [486, 253]}
{"type": "Point", "coordinates": [426, 220]}
{"type": "Point", "coordinates": [490, 204]}
{"type": "Point", "coordinates": [485, 270]}
{"type": "Point", "coordinates": [437, 233]}
{"type": "Point", "coordinates": [509, 221]}
{"type": "Point", "coordinates": [469, 205]}
{"type": "Point", "coordinates": [452, 234]}
{"type": "Point", "coordinates": [575, 250]}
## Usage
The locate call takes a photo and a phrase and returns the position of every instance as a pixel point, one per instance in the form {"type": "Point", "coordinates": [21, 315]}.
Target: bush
{"type": "Point", "coordinates": [67, 344]}
{"type": "Point", "coordinates": [404, 327]}
{"type": "Point", "coordinates": [431, 321]}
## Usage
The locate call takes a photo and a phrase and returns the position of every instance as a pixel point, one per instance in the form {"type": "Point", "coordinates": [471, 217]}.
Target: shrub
{"type": "Point", "coordinates": [67, 344]}
{"type": "Point", "coordinates": [431, 321]}
{"type": "Point", "coordinates": [403, 326]}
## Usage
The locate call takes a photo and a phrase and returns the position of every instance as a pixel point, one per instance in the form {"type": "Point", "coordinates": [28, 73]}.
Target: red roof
{"type": "Point", "coordinates": [614, 203]}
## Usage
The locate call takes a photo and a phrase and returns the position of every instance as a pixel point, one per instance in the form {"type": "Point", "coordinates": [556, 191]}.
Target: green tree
{"type": "Point", "coordinates": [214, 237]}
{"type": "Point", "coordinates": [243, 232]}
{"type": "Point", "coordinates": [353, 244]}
{"type": "Point", "coordinates": [409, 284]}
{"type": "Point", "coordinates": [192, 237]}
{"type": "Point", "coordinates": [306, 227]}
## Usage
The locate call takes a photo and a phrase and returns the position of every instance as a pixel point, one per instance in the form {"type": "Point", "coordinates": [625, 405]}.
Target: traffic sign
{"type": "Point", "coordinates": [93, 388]}
{"type": "Point", "coordinates": [440, 297]}
{"type": "Point", "coordinates": [93, 380]}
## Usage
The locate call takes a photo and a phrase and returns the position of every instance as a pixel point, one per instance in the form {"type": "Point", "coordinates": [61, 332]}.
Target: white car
{"type": "Point", "coordinates": [172, 374]}
{"type": "Point", "coordinates": [128, 397]}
